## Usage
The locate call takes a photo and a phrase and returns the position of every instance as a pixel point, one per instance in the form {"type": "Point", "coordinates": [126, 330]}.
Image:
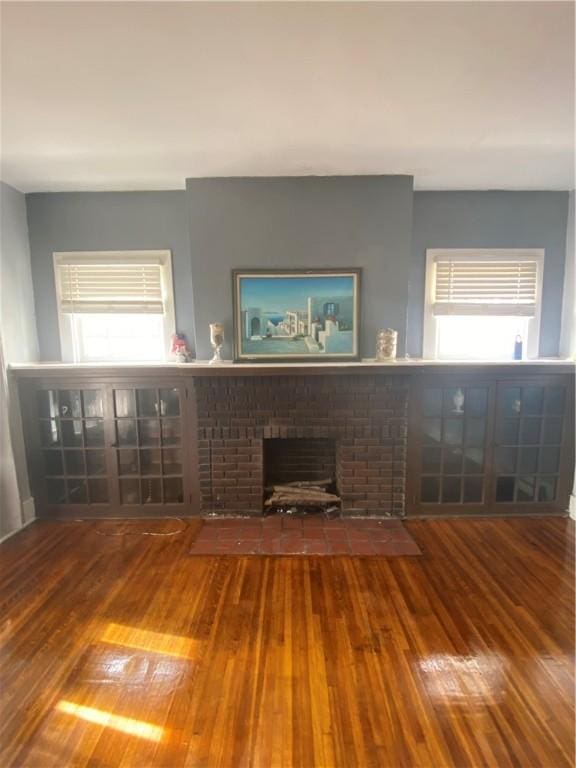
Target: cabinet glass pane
{"type": "Point", "coordinates": [130, 491]}
{"type": "Point", "coordinates": [525, 488]}
{"type": "Point", "coordinates": [47, 404]}
{"type": "Point", "coordinates": [151, 490]}
{"type": "Point", "coordinates": [74, 463]}
{"type": "Point", "coordinates": [172, 461]}
{"type": "Point", "coordinates": [507, 431]}
{"type": "Point", "coordinates": [549, 461]}
{"type": "Point", "coordinates": [128, 462]}
{"type": "Point", "coordinates": [552, 434]}
{"type": "Point", "coordinates": [474, 461]}
{"type": "Point", "coordinates": [546, 488]}
{"type": "Point", "coordinates": [150, 463]}
{"type": "Point", "coordinates": [169, 402]}
{"type": "Point", "coordinates": [506, 460]}
{"type": "Point", "coordinates": [505, 489]}
{"type": "Point", "coordinates": [431, 460]}
{"type": "Point", "coordinates": [430, 489]}
{"type": "Point", "coordinates": [453, 431]}
{"type": "Point", "coordinates": [96, 462]}
{"type": "Point", "coordinates": [70, 404]}
{"type": "Point", "coordinates": [171, 432]}
{"type": "Point", "coordinates": [124, 402]}
{"type": "Point", "coordinates": [475, 429]}
{"type": "Point", "coordinates": [528, 460]}
{"type": "Point", "coordinates": [511, 401]}
{"type": "Point", "coordinates": [147, 402]}
{"type": "Point", "coordinates": [53, 464]}
{"type": "Point", "coordinates": [432, 431]}
{"type": "Point", "coordinates": [77, 491]}
{"type": "Point", "coordinates": [49, 433]}
{"type": "Point", "coordinates": [98, 490]}
{"type": "Point", "coordinates": [93, 403]}
{"type": "Point", "coordinates": [530, 431]}
{"type": "Point", "coordinates": [555, 400]}
{"type": "Point", "coordinates": [532, 400]}
{"type": "Point", "coordinates": [451, 490]}
{"type": "Point", "coordinates": [173, 491]}
{"type": "Point", "coordinates": [56, 491]}
{"type": "Point", "coordinates": [432, 402]}
{"type": "Point", "coordinates": [94, 432]}
{"type": "Point", "coordinates": [476, 402]}
{"type": "Point", "coordinates": [472, 490]}
{"type": "Point", "coordinates": [126, 432]}
{"type": "Point", "coordinates": [149, 431]}
{"type": "Point", "coordinates": [71, 433]}
{"type": "Point", "coordinates": [452, 461]}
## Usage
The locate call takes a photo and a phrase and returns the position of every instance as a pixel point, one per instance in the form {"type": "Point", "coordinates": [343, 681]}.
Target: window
{"type": "Point", "coordinates": [115, 306]}
{"type": "Point", "coordinates": [479, 301]}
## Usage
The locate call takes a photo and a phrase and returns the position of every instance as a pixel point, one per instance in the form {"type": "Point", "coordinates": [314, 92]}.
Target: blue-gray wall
{"type": "Point", "coordinates": [373, 222]}
{"type": "Point", "coordinates": [106, 221]}
{"type": "Point", "coordinates": [17, 316]}
{"type": "Point", "coordinates": [491, 220]}
{"type": "Point", "coordinates": [329, 221]}
{"type": "Point", "coordinates": [18, 344]}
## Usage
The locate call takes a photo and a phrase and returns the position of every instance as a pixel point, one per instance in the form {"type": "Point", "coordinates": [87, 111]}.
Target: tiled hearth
{"type": "Point", "coordinates": [363, 416]}
{"type": "Point", "coordinates": [315, 535]}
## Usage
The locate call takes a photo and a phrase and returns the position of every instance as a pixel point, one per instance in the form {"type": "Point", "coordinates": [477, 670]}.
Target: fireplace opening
{"type": "Point", "coordinates": [300, 475]}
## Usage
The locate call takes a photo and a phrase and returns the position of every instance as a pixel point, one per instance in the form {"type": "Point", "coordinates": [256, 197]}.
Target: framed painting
{"type": "Point", "coordinates": [296, 315]}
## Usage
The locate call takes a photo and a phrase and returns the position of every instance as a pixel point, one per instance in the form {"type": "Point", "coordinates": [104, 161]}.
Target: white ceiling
{"type": "Point", "coordinates": [143, 95]}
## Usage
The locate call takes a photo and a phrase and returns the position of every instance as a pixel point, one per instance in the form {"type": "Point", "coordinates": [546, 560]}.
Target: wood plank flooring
{"type": "Point", "coordinates": [126, 651]}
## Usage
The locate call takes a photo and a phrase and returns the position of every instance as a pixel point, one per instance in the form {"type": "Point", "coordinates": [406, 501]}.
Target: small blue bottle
{"type": "Point", "coordinates": [518, 348]}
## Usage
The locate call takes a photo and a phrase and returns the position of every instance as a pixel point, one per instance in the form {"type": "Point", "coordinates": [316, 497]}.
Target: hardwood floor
{"type": "Point", "coordinates": [125, 651]}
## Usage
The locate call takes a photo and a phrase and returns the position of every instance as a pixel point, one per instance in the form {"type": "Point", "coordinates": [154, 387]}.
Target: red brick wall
{"type": "Point", "coordinates": [365, 416]}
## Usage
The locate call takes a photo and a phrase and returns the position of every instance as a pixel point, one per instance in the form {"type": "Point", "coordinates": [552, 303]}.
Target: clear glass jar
{"type": "Point", "coordinates": [386, 342]}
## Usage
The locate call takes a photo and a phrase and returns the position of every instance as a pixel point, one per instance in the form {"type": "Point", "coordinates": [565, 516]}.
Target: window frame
{"type": "Point", "coordinates": [68, 347]}
{"type": "Point", "coordinates": [430, 321]}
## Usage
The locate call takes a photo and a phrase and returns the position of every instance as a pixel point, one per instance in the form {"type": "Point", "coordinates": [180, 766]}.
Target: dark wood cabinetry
{"type": "Point", "coordinates": [100, 449]}
{"type": "Point", "coordinates": [490, 446]}
{"type": "Point", "coordinates": [119, 442]}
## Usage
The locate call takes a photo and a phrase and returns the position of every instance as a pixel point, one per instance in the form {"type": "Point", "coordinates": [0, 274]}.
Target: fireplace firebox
{"type": "Point", "coordinates": [300, 474]}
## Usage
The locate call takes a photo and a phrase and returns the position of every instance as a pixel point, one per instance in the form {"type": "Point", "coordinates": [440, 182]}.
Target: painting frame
{"type": "Point", "coordinates": [310, 341]}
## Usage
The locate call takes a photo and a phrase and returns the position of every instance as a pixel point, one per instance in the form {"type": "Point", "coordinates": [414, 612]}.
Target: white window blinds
{"type": "Point", "coordinates": [120, 287]}
{"type": "Point", "coordinates": [485, 287]}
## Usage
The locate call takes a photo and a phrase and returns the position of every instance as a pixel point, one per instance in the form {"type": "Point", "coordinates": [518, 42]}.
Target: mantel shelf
{"type": "Point", "coordinates": [229, 368]}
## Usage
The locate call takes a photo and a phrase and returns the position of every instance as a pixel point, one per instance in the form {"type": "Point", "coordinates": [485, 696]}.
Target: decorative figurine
{"type": "Point", "coordinates": [386, 340]}
{"type": "Point", "coordinates": [180, 349]}
{"type": "Point", "coordinates": [217, 341]}
{"type": "Point", "coordinates": [458, 401]}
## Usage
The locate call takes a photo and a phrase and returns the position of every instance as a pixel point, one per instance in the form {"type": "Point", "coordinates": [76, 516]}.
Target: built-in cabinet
{"type": "Point", "coordinates": [101, 449]}
{"type": "Point", "coordinates": [479, 445]}
{"type": "Point", "coordinates": [483, 440]}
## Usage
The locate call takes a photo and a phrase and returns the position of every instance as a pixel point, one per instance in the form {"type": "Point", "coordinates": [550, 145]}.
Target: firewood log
{"type": "Point", "coordinates": [305, 483]}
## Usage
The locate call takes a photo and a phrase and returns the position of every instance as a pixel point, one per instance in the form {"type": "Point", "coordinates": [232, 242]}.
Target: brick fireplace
{"type": "Point", "coordinates": [358, 420]}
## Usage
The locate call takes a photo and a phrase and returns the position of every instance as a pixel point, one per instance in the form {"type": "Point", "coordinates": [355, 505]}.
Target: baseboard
{"type": "Point", "coordinates": [572, 506]}
{"type": "Point", "coordinates": [17, 530]}
{"type": "Point", "coordinates": [28, 510]}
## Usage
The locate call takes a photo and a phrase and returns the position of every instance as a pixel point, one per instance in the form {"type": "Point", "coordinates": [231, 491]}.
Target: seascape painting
{"type": "Point", "coordinates": [296, 314]}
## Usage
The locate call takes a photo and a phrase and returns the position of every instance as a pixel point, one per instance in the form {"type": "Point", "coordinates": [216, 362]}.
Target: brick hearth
{"type": "Point", "coordinates": [364, 415]}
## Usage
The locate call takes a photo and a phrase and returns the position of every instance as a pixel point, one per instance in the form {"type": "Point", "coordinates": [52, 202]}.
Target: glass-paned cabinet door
{"type": "Point", "coordinates": [529, 435]}
{"type": "Point", "coordinates": [72, 446]}
{"type": "Point", "coordinates": [452, 427]}
{"type": "Point", "coordinates": [148, 444]}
